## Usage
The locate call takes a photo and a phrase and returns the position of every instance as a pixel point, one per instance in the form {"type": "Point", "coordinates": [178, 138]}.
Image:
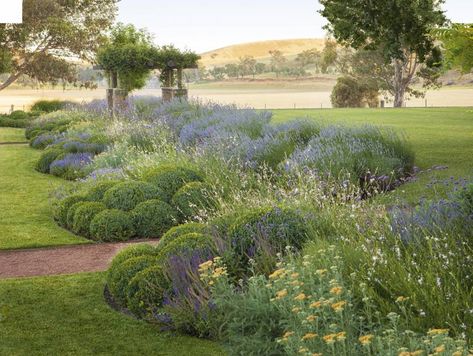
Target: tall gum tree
{"type": "Point", "coordinates": [53, 33]}
{"type": "Point", "coordinates": [399, 29]}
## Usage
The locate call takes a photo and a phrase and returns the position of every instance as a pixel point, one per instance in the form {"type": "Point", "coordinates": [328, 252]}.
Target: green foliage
{"type": "Point", "coordinates": [146, 290]}
{"type": "Point", "coordinates": [120, 276]}
{"type": "Point", "coordinates": [192, 200]}
{"type": "Point", "coordinates": [350, 93]}
{"type": "Point", "coordinates": [130, 252]}
{"type": "Point", "coordinates": [465, 197]}
{"type": "Point", "coordinates": [48, 106]}
{"type": "Point", "coordinates": [46, 158]}
{"type": "Point", "coordinates": [129, 53]}
{"type": "Point", "coordinates": [83, 216]}
{"type": "Point", "coordinates": [259, 234]}
{"type": "Point", "coordinates": [62, 207]}
{"type": "Point", "coordinates": [112, 225]}
{"type": "Point", "coordinates": [185, 245]}
{"type": "Point", "coordinates": [180, 230]}
{"type": "Point", "coordinates": [71, 212]}
{"type": "Point", "coordinates": [152, 218]}
{"type": "Point", "coordinates": [170, 178]}
{"type": "Point", "coordinates": [458, 42]}
{"type": "Point", "coordinates": [50, 32]}
{"type": "Point", "coordinates": [97, 192]}
{"type": "Point", "coordinates": [126, 195]}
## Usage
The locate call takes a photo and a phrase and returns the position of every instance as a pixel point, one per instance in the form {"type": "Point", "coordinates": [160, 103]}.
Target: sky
{"type": "Point", "coordinates": [204, 25]}
{"type": "Point", "coordinates": [11, 11]}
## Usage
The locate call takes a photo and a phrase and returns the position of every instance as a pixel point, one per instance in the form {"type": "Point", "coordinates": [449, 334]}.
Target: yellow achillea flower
{"type": "Point", "coordinates": [316, 354]}
{"type": "Point", "coordinates": [321, 272]}
{"type": "Point", "coordinates": [401, 299]}
{"type": "Point", "coordinates": [336, 290]}
{"type": "Point", "coordinates": [303, 350]}
{"type": "Point", "coordinates": [457, 353]}
{"type": "Point", "coordinates": [366, 339]}
{"type": "Point", "coordinates": [288, 334]}
{"type": "Point", "coordinates": [278, 273]}
{"type": "Point", "coordinates": [281, 294]}
{"type": "Point", "coordinates": [296, 283]}
{"type": "Point", "coordinates": [432, 332]}
{"type": "Point", "coordinates": [330, 338]}
{"type": "Point", "coordinates": [339, 306]}
{"type": "Point", "coordinates": [219, 271]}
{"type": "Point", "coordinates": [301, 296]}
{"type": "Point", "coordinates": [295, 275]}
{"type": "Point", "coordinates": [317, 304]}
{"type": "Point", "coordinates": [296, 310]}
{"type": "Point", "coordinates": [309, 336]}
{"type": "Point", "coordinates": [205, 266]}
{"type": "Point", "coordinates": [414, 353]}
{"type": "Point", "coordinates": [439, 349]}
{"type": "Point", "coordinates": [341, 336]}
{"type": "Point", "coordinates": [311, 318]}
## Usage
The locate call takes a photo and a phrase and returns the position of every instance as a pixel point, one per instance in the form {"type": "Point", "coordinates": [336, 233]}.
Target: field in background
{"type": "Point", "coordinates": [260, 95]}
{"type": "Point", "coordinates": [259, 50]}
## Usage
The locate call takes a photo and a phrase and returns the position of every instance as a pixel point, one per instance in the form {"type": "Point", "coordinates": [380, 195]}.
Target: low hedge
{"type": "Point", "coordinates": [152, 218]}
{"type": "Point", "coordinates": [83, 216]}
{"type": "Point", "coordinates": [170, 178]}
{"type": "Point", "coordinates": [127, 195]}
{"type": "Point", "coordinates": [61, 208]}
{"type": "Point", "coordinates": [46, 158]}
{"type": "Point", "coordinates": [97, 192]}
{"type": "Point", "coordinates": [180, 230]}
{"type": "Point", "coordinates": [112, 225]}
{"type": "Point", "coordinates": [186, 244]}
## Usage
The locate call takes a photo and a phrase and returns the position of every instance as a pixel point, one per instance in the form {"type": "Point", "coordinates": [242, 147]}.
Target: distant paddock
{"type": "Point", "coordinates": [257, 98]}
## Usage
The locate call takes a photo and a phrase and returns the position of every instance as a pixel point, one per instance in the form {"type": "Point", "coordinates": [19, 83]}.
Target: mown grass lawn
{"type": "Point", "coordinates": [25, 215]}
{"type": "Point", "coordinates": [8, 134]}
{"type": "Point", "coordinates": [67, 315]}
{"type": "Point", "coordinates": [439, 137]}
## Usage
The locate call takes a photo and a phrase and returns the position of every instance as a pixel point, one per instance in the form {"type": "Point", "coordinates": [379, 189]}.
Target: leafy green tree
{"type": "Point", "coordinates": [247, 65]}
{"type": "Point", "coordinates": [260, 68]}
{"type": "Point", "coordinates": [278, 61]}
{"type": "Point", "coordinates": [53, 31]}
{"type": "Point", "coordinates": [232, 70]}
{"type": "Point", "coordinates": [329, 55]}
{"type": "Point", "coordinates": [308, 57]}
{"type": "Point", "coordinates": [399, 29]}
{"type": "Point", "coordinates": [458, 42]}
{"type": "Point", "coordinates": [130, 53]}
{"type": "Point", "coordinates": [218, 73]}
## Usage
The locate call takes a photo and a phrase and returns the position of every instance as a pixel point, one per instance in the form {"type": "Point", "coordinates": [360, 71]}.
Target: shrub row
{"type": "Point", "coordinates": [118, 211]}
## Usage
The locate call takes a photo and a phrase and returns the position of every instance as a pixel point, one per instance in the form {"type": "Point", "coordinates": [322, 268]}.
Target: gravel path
{"type": "Point", "coordinates": [60, 260]}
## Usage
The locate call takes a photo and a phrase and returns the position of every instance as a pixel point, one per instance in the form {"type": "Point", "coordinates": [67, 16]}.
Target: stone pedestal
{"type": "Point", "coordinates": [169, 94]}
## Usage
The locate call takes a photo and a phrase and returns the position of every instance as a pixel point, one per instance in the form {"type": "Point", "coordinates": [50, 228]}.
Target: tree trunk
{"type": "Point", "coordinates": [399, 86]}
{"type": "Point", "coordinates": [11, 79]}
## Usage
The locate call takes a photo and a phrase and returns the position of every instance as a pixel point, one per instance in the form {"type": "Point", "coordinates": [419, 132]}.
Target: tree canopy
{"type": "Point", "coordinates": [52, 33]}
{"type": "Point", "coordinates": [399, 29]}
{"type": "Point", "coordinates": [458, 42]}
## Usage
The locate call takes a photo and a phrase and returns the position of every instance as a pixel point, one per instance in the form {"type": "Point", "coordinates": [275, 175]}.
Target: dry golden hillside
{"type": "Point", "coordinates": [259, 50]}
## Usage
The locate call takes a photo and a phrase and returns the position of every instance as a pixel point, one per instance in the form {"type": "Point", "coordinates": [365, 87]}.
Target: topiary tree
{"type": "Point", "coordinates": [185, 245]}
{"type": "Point", "coordinates": [171, 62]}
{"type": "Point", "coordinates": [112, 225]}
{"type": "Point", "coordinates": [127, 195]}
{"type": "Point", "coordinates": [152, 218]}
{"type": "Point", "coordinates": [351, 93]}
{"type": "Point", "coordinates": [62, 207]}
{"type": "Point", "coordinates": [83, 216]}
{"type": "Point", "coordinates": [181, 230]}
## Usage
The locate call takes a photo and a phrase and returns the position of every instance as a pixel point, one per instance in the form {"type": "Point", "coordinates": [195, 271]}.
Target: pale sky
{"type": "Point", "coordinates": [203, 25]}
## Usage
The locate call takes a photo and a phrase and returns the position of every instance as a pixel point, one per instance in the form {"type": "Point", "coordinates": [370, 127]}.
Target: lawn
{"type": "Point", "coordinates": [68, 315]}
{"type": "Point", "coordinates": [439, 137]}
{"type": "Point", "coordinates": [8, 134]}
{"type": "Point", "coordinates": [25, 216]}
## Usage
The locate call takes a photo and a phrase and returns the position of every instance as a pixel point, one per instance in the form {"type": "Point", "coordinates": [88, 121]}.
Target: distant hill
{"type": "Point", "coordinates": [259, 50]}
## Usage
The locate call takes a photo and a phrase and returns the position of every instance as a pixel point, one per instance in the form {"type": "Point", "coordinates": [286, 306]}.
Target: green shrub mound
{"type": "Point", "coordinates": [49, 106]}
{"type": "Point", "coordinates": [186, 244]}
{"type": "Point", "coordinates": [192, 199]}
{"type": "Point", "coordinates": [19, 115]}
{"type": "Point", "coordinates": [83, 216]}
{"type": "Point", "coordinates": [62, 207]}
{"type": "Point", "coordinates": [261, 233]}
{"type": "Point", "coordinates": [146, 290]}
{"type": "Point", "coordinates": [152, 218]}
{"type": "Point", "coordinates": [97, 192]}
{"type": "Point", "coordinates": [127, 195]}
{"type": "Point", "coordinates": [46, 158]}
{"type": "Point", "coordinates": [180, 230]}
{"type": "Point", "coordinates": [112, 225]}
{"type": "Point", "coordinates": [71, 212]}
{"type": "Point", "coordinates": [119, 277]}
{"type": "Point", "coordinates": [131, 252]}
{"type": "Point", "coordinates": [169, 179]}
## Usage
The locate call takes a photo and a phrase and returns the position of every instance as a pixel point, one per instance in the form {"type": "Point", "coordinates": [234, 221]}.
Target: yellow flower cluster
{"type": "Point", "coordinates": [433, 332]}
{"type": "Point", "coordinates": [401, 299]}
{"type": "Point", "coordinates": [309, 336]}
{"type": "Point", "coordinates": [337, 290]}
{"type": "Point", "coordinates": [281, 294]}
{"type": "Point", "coordinates": [366, 339]}
{"type": "Point", "coordinates": [414, 353]}
{"type": "Point", "coordinates": [278, 273]}
{"type": "Point", "coordinates": [339, 306]}
{"type": "Point", "coordinates": [331, 338]}
{"type": "Point", "coordinates": [300, 297]}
